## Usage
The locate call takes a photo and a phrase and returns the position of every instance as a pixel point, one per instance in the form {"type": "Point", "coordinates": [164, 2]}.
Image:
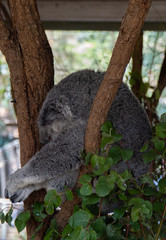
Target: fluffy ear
{"type": "Point", "coordinates": [55, 107]}
{"type": "Point", "coordinates": [55, 116]}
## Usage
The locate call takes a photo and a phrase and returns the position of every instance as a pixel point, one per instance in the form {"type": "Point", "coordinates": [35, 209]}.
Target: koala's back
{"type": "Point", "coordinates": [71, 101]}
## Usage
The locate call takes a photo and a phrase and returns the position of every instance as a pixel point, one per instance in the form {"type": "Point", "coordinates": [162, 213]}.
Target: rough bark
{"type": "Point", "coordinates": [131, 26]}
{"type": "Point", "coordinates": [136, 74]}
{"type": "Point", "coordinates": [129, 31]}
{"type": "Point", "coordinates": [24, 44]}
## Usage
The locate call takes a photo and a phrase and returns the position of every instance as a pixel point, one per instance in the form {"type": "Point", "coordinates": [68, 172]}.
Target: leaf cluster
{"type": "Point", "coordinates": [114, 205]}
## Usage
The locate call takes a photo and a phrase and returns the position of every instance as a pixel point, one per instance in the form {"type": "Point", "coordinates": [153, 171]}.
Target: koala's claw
{"type": "Point", "coordinates": [13, 197]}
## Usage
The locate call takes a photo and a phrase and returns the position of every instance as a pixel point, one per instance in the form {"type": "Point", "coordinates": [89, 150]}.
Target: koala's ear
{"type": "Point", "coordinates": [55, 107]}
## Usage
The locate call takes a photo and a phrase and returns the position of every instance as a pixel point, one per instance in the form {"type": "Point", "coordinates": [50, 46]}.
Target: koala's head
{"type": "Point", "coordinates": [55, 116]}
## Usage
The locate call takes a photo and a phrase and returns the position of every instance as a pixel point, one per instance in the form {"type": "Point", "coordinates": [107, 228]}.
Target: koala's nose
{"type": "Point", "coordinates": [6, 193]}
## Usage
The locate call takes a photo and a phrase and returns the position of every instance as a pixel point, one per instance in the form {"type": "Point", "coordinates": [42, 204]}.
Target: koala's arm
{"type": "Point", "coordinates": [55, 166]}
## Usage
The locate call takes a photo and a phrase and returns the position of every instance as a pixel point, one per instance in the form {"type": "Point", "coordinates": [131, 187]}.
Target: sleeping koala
{"type": "Point", "coordinates": [62, 124]}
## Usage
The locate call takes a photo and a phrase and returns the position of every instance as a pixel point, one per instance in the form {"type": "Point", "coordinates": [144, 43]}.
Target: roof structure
{"type": "Point", "coordinates": [95, 14]}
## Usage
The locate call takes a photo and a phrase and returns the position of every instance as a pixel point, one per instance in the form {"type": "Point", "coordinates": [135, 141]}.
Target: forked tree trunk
{"type": "Point", "coordinates": [29, 57]}
{"type": "Point", "coordinates": [131, 26]}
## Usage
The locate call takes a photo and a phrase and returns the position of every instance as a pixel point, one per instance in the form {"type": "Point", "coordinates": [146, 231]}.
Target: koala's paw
{"type": "Point", "coordinates": [16, 189]}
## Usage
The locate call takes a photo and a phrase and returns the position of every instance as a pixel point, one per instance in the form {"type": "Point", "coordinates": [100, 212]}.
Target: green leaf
{"type": "Point", "coordinates": [69, 195]}
{"type": "Point", "coordinates": [79, 218]}
{"type": "Point", "coordinates": [147, 179]}
{"type": "Point", "coordinates": [49, 234]}
{"type": "Point", "coordinates": [118, 213]}
{"type": "Point", "coordinates": [115, 154]}
{"type": "Point", "coordinates": [106, 140]}
{"type": "Point", "coordinates": [136, 201]}
{"type": "Point", "coordinates": [91, 235]}
{"type": "Point", "coordinates": [149, 191]}
{"type": "Point", "coordinates": [51, 201]}
{"type": "Point", "coordinates": [135, 214]}
{"type": "Point", "coordinates": [104, 186]}
{"type": "Point", "coordinates": [89, 200]}
{"type": "Point", "coordinates": [116, 137]}
{"type": "Point", "coordinates": [149, 207]}
{"type": "Point", "coordinates": [99, 227]}
{"type": "Point", "coordinates": [145, 210]}
{"type": "Point", "coordinates": [38, 211]}
{"type": "Point", "coordinates": [101, 164]}
{"type": "Point", "coordinates": [114, 176]}
{"type": "Point", "coordinates": [78, 234]}
{"type": "Point", "coordinates": [85, 179]}
{"type": "Point", "coordinates": [126, 154]}
{"type": "Point", "coordinates": [121, 184]}
{"type": "Point", "coordinates": [162, 185]}
{"type": "Point", "coordinates": [126, 175]}
{"type": "Point", "coordinates": [22, 220]}
{"type": "Point", "coordinates": [135, 226]}
{"type": "Point", "coordinates": [144, 148]}
{"type": "Point", "coordinates": [134, 191]}
{"type": "Point", "coordinates": [106, 127]}
{"type": "Point", "coordinates": [2, 217]}
{"type": "Point", "coordinates": [159, 145]}
{"type": "Point", "coordinates": [66, 230]}
{"type": "Point", "coordinates": [8, 217]}
{"type": "Point", "coordinates": [111, 229]}
{"type": "Point", "coordinates": [38, 207]}
{"type": "Point", "coordinates": [161, 129]}
{"type": "Point", "coordinates": [86, 189]}
{"type": "Point", "coordinates": [122, 196]}
{"type": "Point", "coordinates": [149, 156]}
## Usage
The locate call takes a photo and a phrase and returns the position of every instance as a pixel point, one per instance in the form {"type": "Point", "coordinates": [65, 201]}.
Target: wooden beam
{"type": "Point", "coordinates": [95, 11]}
{"type": "Point", "coordinates": [95, 14]}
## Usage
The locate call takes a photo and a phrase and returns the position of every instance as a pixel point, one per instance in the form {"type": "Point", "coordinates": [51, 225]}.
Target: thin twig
{"type": "Point", "coordinates": [100, 207]}
{"type": "Point", "coordinates": [161, 223]}
{"type": "Point", "coordinates": [142, 229]}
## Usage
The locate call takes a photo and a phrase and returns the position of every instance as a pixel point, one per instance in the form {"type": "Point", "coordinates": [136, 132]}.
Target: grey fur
{"type": "Point", "coordinates": [62, 123]}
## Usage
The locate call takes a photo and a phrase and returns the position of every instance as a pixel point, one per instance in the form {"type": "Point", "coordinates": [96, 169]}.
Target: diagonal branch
{"type": "Point", "coordinates": [131, 26]}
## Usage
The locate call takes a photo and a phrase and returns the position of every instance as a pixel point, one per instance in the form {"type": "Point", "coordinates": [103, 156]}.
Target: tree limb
{"type": "Point", "coordinates": [131, 26]}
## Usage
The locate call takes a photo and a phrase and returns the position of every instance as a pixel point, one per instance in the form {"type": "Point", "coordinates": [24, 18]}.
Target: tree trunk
{"type": "Point", "coordinates": [136, 74]}
{"type": "Point", "coordinates": [29, 57]}
{"type": "Point", "coordinates": [129, 31]}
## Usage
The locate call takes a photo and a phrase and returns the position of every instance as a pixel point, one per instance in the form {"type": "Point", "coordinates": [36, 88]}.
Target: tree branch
{"type": "Point", "coordinates": [131, 26]}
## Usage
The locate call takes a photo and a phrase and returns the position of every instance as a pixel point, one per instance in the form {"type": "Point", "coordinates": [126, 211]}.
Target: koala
{"type": "Point", "coordinates": [62, 123]}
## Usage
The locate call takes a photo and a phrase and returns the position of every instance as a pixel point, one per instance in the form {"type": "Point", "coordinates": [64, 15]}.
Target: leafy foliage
{"type": "Point", "coordinates": [140, 205]}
